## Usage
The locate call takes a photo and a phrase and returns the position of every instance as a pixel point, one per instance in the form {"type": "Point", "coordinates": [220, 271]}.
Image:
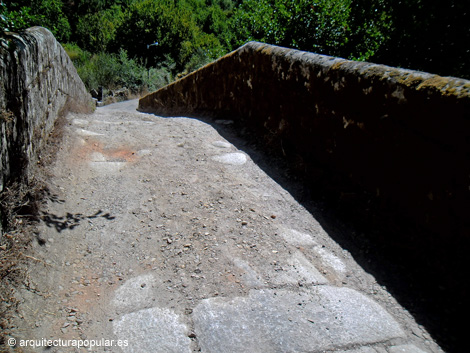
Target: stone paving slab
{"type": "Point", "coordinates": [285, 321]}
{"type": "Point", "coordinates": [153, 330]}
{"type": "Point", "coordinates": [406, 348]}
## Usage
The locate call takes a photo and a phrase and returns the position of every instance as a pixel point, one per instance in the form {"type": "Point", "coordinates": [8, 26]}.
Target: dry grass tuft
{"type": "Point", "coordinates": [20, 204]}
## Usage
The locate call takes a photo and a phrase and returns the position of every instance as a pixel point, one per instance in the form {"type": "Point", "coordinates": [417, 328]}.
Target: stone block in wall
{"type": "Point", "coordinates": [38, 83]}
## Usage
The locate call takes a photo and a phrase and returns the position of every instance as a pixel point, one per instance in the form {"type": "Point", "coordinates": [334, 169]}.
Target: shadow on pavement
{"type": "Point", "coordinates": [425, 274]}
{"type": "Point", "coordinates": [70, 220]}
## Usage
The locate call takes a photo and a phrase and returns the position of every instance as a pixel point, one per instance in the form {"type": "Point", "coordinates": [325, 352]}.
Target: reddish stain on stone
{"type": "Point", "coordinates": [121, 154]}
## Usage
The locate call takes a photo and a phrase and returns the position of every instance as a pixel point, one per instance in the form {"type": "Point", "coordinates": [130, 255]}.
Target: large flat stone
{"type": "Point", "coordinates": [285, 321]}
{"type": "Point", "coordinates": [152, 330]}
{"type": "Point", "coordinates": [135, 293]}
{"type": "Point", "coordinates": [235, 158]}
{"type": "Point", "coordinates": [296, 268]}
{"type": "Point", "coordinates": [299, 269]}
{"type": "Point", "coordinates": [406, 348]}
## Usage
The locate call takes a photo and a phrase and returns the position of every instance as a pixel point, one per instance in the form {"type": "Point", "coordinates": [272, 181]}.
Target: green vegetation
{"type": "Point", "coordinates": [144, 44]}
{"type": "Point", "coordinates": [320, 26]}
{"type": "Point", "coordinates": [429, 35]}
{"type": "Point", "coordinates": [114, 71]}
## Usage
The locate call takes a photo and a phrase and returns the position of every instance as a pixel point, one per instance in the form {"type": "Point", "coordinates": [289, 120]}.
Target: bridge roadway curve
{"type": "Point", "coordinates": [160, 235]}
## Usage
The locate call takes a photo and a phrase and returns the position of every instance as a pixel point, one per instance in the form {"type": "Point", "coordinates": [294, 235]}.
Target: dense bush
{"type": "Point", "coordinates": [113, 71]}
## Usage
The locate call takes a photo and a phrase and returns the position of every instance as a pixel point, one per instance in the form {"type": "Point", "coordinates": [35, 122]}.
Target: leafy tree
{"type": "Point", "coordinates": [16, 17]}
{"type": "Point", "coordinates": [225, 5]}
{"type": "Point", "coordinates": [215, 21]}
{"type": "Point", "coordinates": [429, 35]}
{"type": "Point", "coordinates": [320, 26]}
{"type": "Point", "coordinates": [47, 13]}
{"type": "Point", "coordinates": [201, 50]}
{"type": "Point", "coordinates": [154, 29]}
{"type": "Point", "coordinates": [370, 24]}
{"type": "Point", "coordinates": [148, 32]}
{"type": "Point", "coordinates": [95, 31]}
{"type": "Point", "coordinates": [53, 18]}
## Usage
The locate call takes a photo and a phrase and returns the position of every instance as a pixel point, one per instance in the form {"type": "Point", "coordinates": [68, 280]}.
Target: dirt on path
{"type": "Point", "coordinates": [159, 235]}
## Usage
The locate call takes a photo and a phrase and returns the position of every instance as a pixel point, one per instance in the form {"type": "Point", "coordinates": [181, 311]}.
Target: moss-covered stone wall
{"type": "Point", "coordinates": [38, 82]}
{"type": "Point", "coordinates": [401, 136]}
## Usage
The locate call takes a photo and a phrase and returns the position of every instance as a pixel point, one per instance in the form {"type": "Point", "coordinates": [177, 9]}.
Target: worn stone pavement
{"type": "Point", "coordinates": [160, 235]}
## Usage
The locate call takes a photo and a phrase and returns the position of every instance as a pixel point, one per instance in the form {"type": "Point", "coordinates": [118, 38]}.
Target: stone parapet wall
{"type": "Point", "coordinates": [38, 82]}
{"type": "Point", "coordinates": [401, 136]}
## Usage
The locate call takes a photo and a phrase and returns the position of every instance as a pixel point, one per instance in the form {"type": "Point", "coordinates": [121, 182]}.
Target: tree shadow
{"type": "Point", "coordinates": [70, 220]}
{"type": "Point", "coordinates": [67, 221]}
{"type": "Point", "coordinates": [49, 196]}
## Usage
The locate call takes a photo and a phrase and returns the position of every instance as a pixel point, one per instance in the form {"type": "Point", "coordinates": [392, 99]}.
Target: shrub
{"type": "Point", "coordinates": [113, 71]}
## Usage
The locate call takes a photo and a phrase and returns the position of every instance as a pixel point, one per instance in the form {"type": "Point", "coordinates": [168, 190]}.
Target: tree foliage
{"type": "Point", "coordinates": [345, 28]}
{"type": "Point", "coordinates": [429, 35]}
{"type": "Point", "coordinates": [16, 17]}
{"type": "Point", "coordinates": [320, 26]}
{"type": "Point", "coordinates": [26, 13]}
{"type": "Point", "coordinates": [370, 25]}
{"type": "Point", "coordinates": [153, 29]}
{"type": "Point", "coordinates": [95, 31]}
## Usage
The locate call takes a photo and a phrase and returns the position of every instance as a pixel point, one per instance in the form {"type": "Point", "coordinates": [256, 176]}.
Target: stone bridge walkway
{"type": "Point", "coordinates": [159, 235]}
